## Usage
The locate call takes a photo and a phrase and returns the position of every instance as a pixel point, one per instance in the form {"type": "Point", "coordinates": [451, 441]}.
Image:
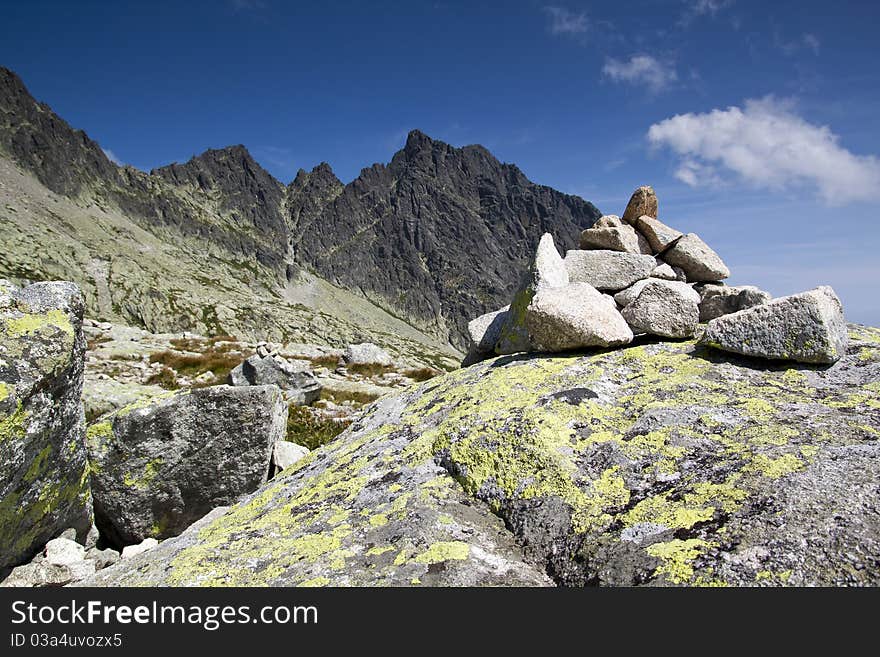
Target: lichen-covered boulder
{"type": "Point", "coordinates": [699, 262]}
{"type": "Point", "coordinates": [719, 300]}
{"type": "Point", "coordinates": [44, 477]}
{"type": "Point", "coordinates": [545, 270]}
{"type": "Point", "coordinates": [296, 380]}
{"type": "Point", "coordinates": [808, 327]}
{"type": "Point", "coordinates": [608, 270]}
{"type": "Point", "coordinates": [643, 202]}
{"type": "Point", "coordinates": [665, 308]}
{"type": "Point", "coordinates": [574, 317]}
{"type": "Point", "coordinates": [655, 464]}
{"type": "Point", "coordinates": [160, 464]}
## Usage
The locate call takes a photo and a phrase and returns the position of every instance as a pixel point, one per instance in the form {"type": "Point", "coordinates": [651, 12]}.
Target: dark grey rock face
{"type": "Point", "coordinates": [44, 476]}
{"type": "Point", "coordinates": [160, 465]}
{"type": "Point", "coordinates": [455, 224]}
{"type": "Point", "coordinates": [298, 383]}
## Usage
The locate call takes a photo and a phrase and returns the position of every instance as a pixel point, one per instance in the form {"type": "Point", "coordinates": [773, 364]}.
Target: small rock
{"type": "Point", "coordinates": [103, 558]}
{"type": "Point", "coordinates": [664, 271]}
{"type": "Point", "coordinates": [366, 353]}
{"type": "Point", "coordinates": [616, 238]}
{"type": "Point", "coordinates": [643, 202]}
{"type": "Point", "coordinates": [485, 330]}
{"type": "Point", "coordinates": [699, 262]}
{"type": "Point", "coordinates": [808, 327]}
{"type": "Point", "coordinates": [665, 308]}
{"type": "Point", "coordinates": [286, 453]}
{"type": "Point", "coordinates": [573, 317]}
{"type": "Point", "coordinates": [64, 552]}
{"type": "Point", "coordinates": [659, 235]}
{"type": "Point", "coordinates": [719, 300]}
{"type": "Point", "coordinates": [608, 221]}
{"type": "Point", "coordinates": [608, 270]}
{"type": "Point", "coordinates": [130, 551]}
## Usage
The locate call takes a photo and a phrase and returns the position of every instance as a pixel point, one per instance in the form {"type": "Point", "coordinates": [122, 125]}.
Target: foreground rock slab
{"type": "Point", "coordinates": [808, 327]}
{"type": "Point", "coordinates": [574, 317]}
{"type": "Point", "coordinates": [647, 465]}
{"type": "Point", "coordinates": [161, 464]}
{"type": "Point", "coordinates": [44, 477]}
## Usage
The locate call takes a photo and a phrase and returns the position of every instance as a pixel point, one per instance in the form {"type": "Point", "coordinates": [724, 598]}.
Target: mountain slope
{"type": "Point", "coordinates": [428, 241]}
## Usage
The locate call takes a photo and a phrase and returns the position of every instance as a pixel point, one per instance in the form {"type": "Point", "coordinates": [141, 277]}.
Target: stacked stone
{"type": "Point", "coordinates": [636, 275]}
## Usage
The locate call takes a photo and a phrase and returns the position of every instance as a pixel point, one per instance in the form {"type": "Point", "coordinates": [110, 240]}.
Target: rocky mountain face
{"type": "Point", "coordinates": [457, 224]}
{"type": "Point", "coordinates": [433, 238]}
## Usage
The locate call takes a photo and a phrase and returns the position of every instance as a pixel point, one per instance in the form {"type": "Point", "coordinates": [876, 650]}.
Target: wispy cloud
{"type": "Point", "coordinates": [641, 69]}
{"type": "Point", "coordinates": [696, 8]}
{"type": "Point", "coordinates": [768, 146]}
{"type": "Point", "coordinates": [806, 41]}
{"type": "Point", "coordinates": [112, 157]}
{"type": "Point", "coordinates": [565, 21]}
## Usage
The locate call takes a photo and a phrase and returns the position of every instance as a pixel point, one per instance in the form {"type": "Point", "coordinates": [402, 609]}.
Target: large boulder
{"type": "Point", "coordinates": [719, 300]}
{"type": "Point", "coordinates": [654, 464]}
{"type": "Point", "coordinates": [699, 262]}
{"type": "Point", "coordinates": [615, 238]}
{"type": "Point", "coordinates": [643, 202]}
{"type": "Point", "coordinates": [161, 464]}
{"type": "Point", "coordinates": [546, 269]}
{"type": "Point", "coordinates": [608, 270]}
{"type": "Point", "coordinates": [659, 235]}
{"type": "Point", "coordinates": [574, 317]}
{"type": "Point", "coordinates": [44, 475]}
{"type": "Point", "coordinates": [808, 327]}
{"type": "Point", "coordinates": [296, 380]}
{"type": "Point", "coordinates": [665, 308]}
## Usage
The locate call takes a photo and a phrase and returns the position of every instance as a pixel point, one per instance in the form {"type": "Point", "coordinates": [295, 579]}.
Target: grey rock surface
{"type": "Point", "coordinates": [665, 308]}
{"type": "Point", "coordinates": [366, 353]}
{"type": "Point", "coordinates": [608, 270]}
{"type": "Point", "coordinates": [719, 300]}
{"type": "Point", "coordinates": [296, 380]}
{"type": "Point", "coordinates": [484, 331]}
{"type": "Point", "coordinates": [161, 464]}
{"type": "Point", "coordinates": [546, 270]}
{"type": "Point", "coordinates": [660, 464]}
{"type": "Point", "coordinates": [44, 476]}
{"type": "Point", "coordinates": [574, 317]}
{"type": "Point", "coordinates": [615, 238]}
{"type": "Point", "coordinates": [808, 327]}
{"type": "Point", "coordinates": [659, 235]}
{"type": "Point", "coordinates": [699, 262]}
{"type": "Point", "coordinates": [286, 453]}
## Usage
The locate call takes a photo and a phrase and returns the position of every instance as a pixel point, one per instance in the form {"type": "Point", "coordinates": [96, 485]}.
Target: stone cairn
{"type": "Point", "coordinates": [635, 275]}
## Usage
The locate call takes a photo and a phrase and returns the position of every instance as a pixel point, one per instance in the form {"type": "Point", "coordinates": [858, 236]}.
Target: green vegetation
{"type": "Point", "coordinates": [218, 360]}
{"type": "Point", "coordinates": [305, 428]}
{"type": "Point", "coordinates": [369, 369]}
{"type": "Point", "coordinates": [421, 373]}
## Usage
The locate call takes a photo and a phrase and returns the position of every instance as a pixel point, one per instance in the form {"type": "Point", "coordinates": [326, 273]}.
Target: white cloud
{"type": "Point", "coordinates": [112, 157]}
{"type": "Point", "coordinates": [564, 21]}
{"type": "Point", "coordinates": [805, 40]}
{"type": "Point", "coordinates": [768, 146]}
{"type": "Point", "coordinates": [696, 8]}
{"type": "Point", "coordinates": [641, 69]}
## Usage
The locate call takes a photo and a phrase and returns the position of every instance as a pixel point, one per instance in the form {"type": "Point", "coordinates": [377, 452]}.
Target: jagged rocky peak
{"type": "Point", "coordinates": [226, 168]}
{"type": "Point", "coordinates": [63, 159]}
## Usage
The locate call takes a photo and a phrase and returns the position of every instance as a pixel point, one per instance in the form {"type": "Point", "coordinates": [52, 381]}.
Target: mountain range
{"type": "Point", "coordinates": [404, 255]}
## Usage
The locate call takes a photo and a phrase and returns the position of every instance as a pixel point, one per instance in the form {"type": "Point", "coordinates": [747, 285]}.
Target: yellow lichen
{"type": "Point", "coordinates": [444, 551]}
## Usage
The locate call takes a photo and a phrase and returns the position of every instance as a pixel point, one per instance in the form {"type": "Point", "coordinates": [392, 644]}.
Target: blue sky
{"type": "Point", "coordinates": [756, 122]}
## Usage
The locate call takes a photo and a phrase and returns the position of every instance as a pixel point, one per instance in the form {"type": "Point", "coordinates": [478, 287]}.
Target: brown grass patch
{"type": "Point", "coordinates": [192, 365]}
{"type": "Point", "coordinates": [330, 362]}
{"type": "Point", "coordinates": [421, 373]}
{"type": "Point", "coordinates": [340, 396]}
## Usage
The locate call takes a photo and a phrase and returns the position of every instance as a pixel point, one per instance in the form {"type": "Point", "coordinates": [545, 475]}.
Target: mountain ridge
{"type": "Point", "coordinates": [434, 237]}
